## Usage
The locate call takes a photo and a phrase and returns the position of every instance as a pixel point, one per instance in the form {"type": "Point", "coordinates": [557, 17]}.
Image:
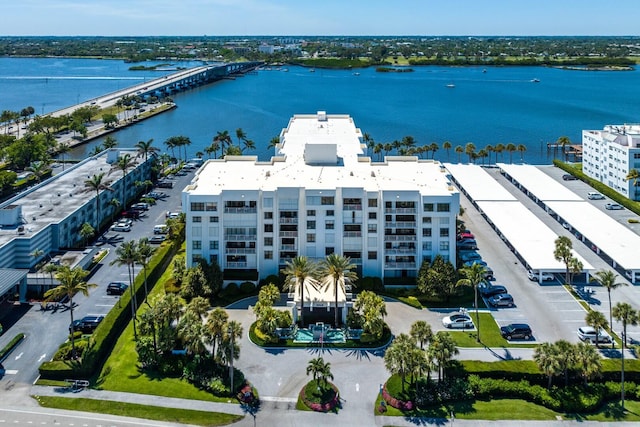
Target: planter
{"type": "Point", "coordinates": [396, 403]}
{"type": "Point", "coordinates": [327, 406]}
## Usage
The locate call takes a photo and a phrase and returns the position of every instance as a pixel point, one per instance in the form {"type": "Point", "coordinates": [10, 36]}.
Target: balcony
{"type": "Point", "coordinates": [402, 224]}
{"type": "Point", "coordinates": [352, 207]}
{"type": "Point", "coordinates": [288, 220]}
{"type": "Point", "coordinates": [352, 234]}
{"type": "Point", "coordinates": [288, 248]}
{"type": "Point", "coordinates": [288, 234]}
{"type": "Point", "coordinates": [402, 265]}
{"type": "Point", "coordinates": [399, 238]}
{"type": "Point", "coordinates": [237, 237]}
{"type": "Point", "coordinates": [243, 210]}
{"type": "Point", "coordinates": [234, 251]}
{"type": "Point", "coordinates": [400, 251]}
{"type": "Point", "coordinates": [237, 264]}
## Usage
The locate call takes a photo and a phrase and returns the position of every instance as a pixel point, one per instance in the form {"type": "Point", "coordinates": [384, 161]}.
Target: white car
{"type": "Point", "coordinates": [588, 333]}
{"type": "Point", "coordinates": [458, 320]}
{"type": "Point", "coordinates": [545, 277]}
{"type": "Point", "coordinates": [121, 227]}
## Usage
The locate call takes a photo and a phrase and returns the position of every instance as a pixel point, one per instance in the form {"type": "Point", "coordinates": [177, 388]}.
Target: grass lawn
{"type": "Point", "coordinates": [489, 334]}
{"type": "Point", "coordinates": [176, 415]}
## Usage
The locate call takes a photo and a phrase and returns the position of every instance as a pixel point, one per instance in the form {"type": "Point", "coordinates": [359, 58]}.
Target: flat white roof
{"type": "Point", "coordinates": [543, 186]}
{"type": "Point", "coordinates": [527, 234]}
{"type": "Point", "coordinates": [621, 244]}
{"type": "Point", "coordinates": [477, 183]}
{"type": "Point", "coordinates": [352, 168]}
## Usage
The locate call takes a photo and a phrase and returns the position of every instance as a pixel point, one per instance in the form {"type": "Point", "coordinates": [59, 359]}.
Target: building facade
{"type": "Point", "coordinates": [321, 194]}
{"type": "Point", "coordinates": [609, 154]}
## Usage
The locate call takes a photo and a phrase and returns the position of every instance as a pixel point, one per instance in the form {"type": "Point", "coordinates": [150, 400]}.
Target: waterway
{"type": "Point", "coordinates": [496, 105]}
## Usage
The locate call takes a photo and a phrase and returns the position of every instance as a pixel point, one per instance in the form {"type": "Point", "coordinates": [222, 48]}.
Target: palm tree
{"type": "Point", "coordinates": [223, 138]}
{"type": "Point", "coordinates": [545, 356]}
{"type": "Point", "coordinates": [115, 204]}
{"type": "Point", "coordinates": [145, 149]}
{"type": "Point", "coordinates": [71, 282]}
{"type": "Point", "coordinates": [51, 269]}
{"type": "Point", "coordinates": [588, 361]}
{"type": "Point", "coordinates": [337, 273]}
{"type": "Point", "coordinates": [624, 313]}
{"type": "Point", "coordinates": [469, 150]}
{"type": "Point", "coordinates": [607, 279]}
{"type": "Point", "coordinates": [521, 148]}
{"type": "Point", "coordinates": [314, 367]}
{"type": "Point", "coordinates": [124, 163]}
{"type": "Point", "coordinates": [563, 141]}
{"type": "Point", "coordinates": [633, 175]}
{"type": "Point", "coordinates": [298, 271]}
{"type": "Point", "coordinates": [510, 148]}
{"type": "Point", "coordinates": [145, 251]}
{"type": "Point", "coordinates": [95, 183]}
{"type": "Point", "coordinates": [459, 150]}
{"type": "Point", "coordinates": [39, 168]}
{"type": "Point", "coordinates": [563, 252]}
{"type": "Point", "coordinates": [442, 349]}
{"type": "Point", "coordinates": [86, 231]}
{"type": "Point", "coordinates": [62, 149]}
{"type": "Point", "coordinates": [421, 332]}
{"type": "Point", "coordinates": [127, 254]}
{"type": "Point", "coordinates": [447, 146]}
{"type": "Point", "coordinates": [575, 267]}
{"type": "Point", "coordinates": [94, 151]}
{"type": "Point", "coordinates": [596, 320]}
{"type": "Point", "coordinates": [215, 327]}
{"type": "Point", "coordinates": [241, 135]}
{"type": "Point", "coordinates": [273, 142]}
{"type": "Point", "coordinates": [489, 149]}
{"type": "Point", "coordinates": [565, 353]}
{"type": "Point", "coordinates": [499, 148]}
{"type": "Point", "coordinates": [474, 276]}
{"type": "Point", "coordinates": [366, 138]}
{"type": "Point", "coordinates": [109, 142]}
{"type": "Point", "coordinates": [36, 254]}
{"type": "Point", "coordinates": [234, 333]}
{"type": "Point", "coordinates": [190, 331]}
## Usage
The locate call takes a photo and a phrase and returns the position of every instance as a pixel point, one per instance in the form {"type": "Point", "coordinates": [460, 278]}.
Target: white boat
{"type": "Point", "coordinates": [356, 74]}
{"type": "Point", "coordinates": [535, 80]}
{"type": "Point", "coordinates": [451, 85]}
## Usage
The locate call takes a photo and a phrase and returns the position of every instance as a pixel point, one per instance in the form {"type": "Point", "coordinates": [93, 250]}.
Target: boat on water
{"type": "Point", "coordinates": [313, 70]}
{"type": "Point", "coordinates": [356, 74]}
{"type": "Point", "coordinates": [451, 85]}
{"type": "Point", "coordinates": [535, 80]}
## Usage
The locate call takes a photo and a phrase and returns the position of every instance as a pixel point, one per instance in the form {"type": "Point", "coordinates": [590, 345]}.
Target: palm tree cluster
{"type": "Point", "coordinates": [407, 146]}
{"type": "Point", "coordinates": [562, 357]}
{"type": "Point", "coordinates": [335, 273]}
{"type": "Point", "coordinates": [267, 317]}
{"type": "Point", "coordinates": [223, 142]}
{"type": "Point", "coordinates": [177, 142]}
{"type": "Point", "coordinates": [320, 371]}
{"type": "Point", "coordinates": [407, 355]}
{"type": "Point", "coordinates": [471, 151]}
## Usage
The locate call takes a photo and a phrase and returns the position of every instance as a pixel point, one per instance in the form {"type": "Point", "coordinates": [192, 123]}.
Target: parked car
{"type": "Point", "coordinates": [165, 184]}
{"type": "Point", "coordinates": [125, 221]}
{"type": "Point", "coordinates": [120, 227]}
{"type": "Point", "coordinates": [458, 320]}
{"type": "Point", "coordinates": [172, 215]}
{"type": "Point", "coordinates": [140, 206]}
{"type": "Point", "coordinates": [516, 331]}
{"type": "Point", "coordinates": [466, 235]}
{"type": "Point", "coordinates": [131, 214]}
{"type": "Point", "coordinates": [157, 195]}
{"type": "Point", "coordinates": [594, 195]}
{"type": "Point", "coordinates": [160, 229]}
{"type": "Point", "coordinates": [467, 244]}
{"type": "Point", "coordinates": [501, 300]}
{"type": "Point", "coordinates": [588, 333]}
{"type": "Point", "coordinates": [157, 239]}
{"type": "Point", "coordinates": [86, 325]}
{"type": "Point", "coordinates": [475, 261]}
{"type": "Point", "coordinates": [613, 207]}
{"type": "Point", "coordinates": [469, 256]}
{"type": "Point", "coordinates": [116, 288]}
{"type": "Point", "coordinates": [568, 177]}
{"type": "Point", "coordinates": [488, 290]}
{"type": "Point", "coordinates": [533, 276]}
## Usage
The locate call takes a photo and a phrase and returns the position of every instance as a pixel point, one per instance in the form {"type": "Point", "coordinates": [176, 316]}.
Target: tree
{"type": "Point", "coordinates": [469, 150]}
{"type": "Point", "coordinates": [96, 183]}
{"type": "Point", "coordinates": [214, 328]}
{"type": "Point", "coordinates": [371, 308]}
{"type": "Point", "coordinates": [565, 353]}
{"type": "Point", "coordinates": [545, 356]}
{"type": "Point", "coordinates": [62, 149]}
{"type": "Point", "coordinates": [446, 146]}
{"type": "Point", "coordinates": [587, 360]}
{"type": "Point", "coordinates": [499, 148]}
{"type": "Point", "coordinates": [437, 278]}
{"type": "Point", "coordinates": [607, 279]}
{"type": "Point", "coordinates": [320, 370]}
{"type": "Point", "coordinates": [510, 148]}
{"type": "Point", "coordinates": [563, 253]}
{"type": "Point", "coordinates": [233, 334]}
{"type": "Point", "coordinates": [597, 321]}
{"type": "Point", "coordinates": [459, 150]}
{"type": "Point", "coordinates": [72, 281]}
{"type": "Point", "coordinates": [442, 348]}
{"type": "Point", "coordinates": [421, 332]}
{"type": "Point", "coordinates": [86, 232]}
{"type": "Point", "coordinates": [521, 148]}
{"type": "Point", "coordinates": [298, 271]}
{"type": "Point", "coordinates": [633, 175]}
{"type": "Point", "coordinates": [126, 254]}
{"type": "Point", "coordinates": [397, 357]}
{"type": "Point", "coordinates": [474, 275]}
{"type": "Point", "coordinates": [624, 313]}
{"type": "Point", "coordinates": [190, 331]}
{"type": "Point", "coordinates": [109, 142]}
{"type": "Point", "coordinates": [336, 271]}
{"type": "Point", "coordinates": [575, 267]}
{"type": "Point", "coordinates": [144, 251]}
{"type": "Point", "coordinates": [39, 169]}
{"type": "Point", "coordinates": [145, 149]}
{"type": "Point", "coordinates": [115, 204]}
{"type": "Point", "coordinates": [273, 142]}
{"type": "Point", "coordinates": [124, 163]}
{"type": "Point", "coordinates": [195, 284]}
{"type": "Point", "coordinates": [563, 141]}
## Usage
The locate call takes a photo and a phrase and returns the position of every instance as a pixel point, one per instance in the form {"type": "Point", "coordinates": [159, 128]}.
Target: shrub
{"type": "Point", "coordinates": [231, 289]}
{"type": "Point", "coordinates": [412, 301]}
{"type": "Point", "coordinates": [370, 284]}
{"type": "Point", "coordinates": [247, 288]}
{"type": "Point", "coordinates": [65, 351]}
{"type": "Point", "coordinates": [272, 278]}
{"type": "Point", "coordinates": [12, 344]}
{"type": "Point", "coordinates": [633, 221]}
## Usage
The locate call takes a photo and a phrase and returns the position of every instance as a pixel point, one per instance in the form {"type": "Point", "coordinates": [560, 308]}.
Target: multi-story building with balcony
{"type": "Point", "coordinates": [321, 194]}
{"type": "Point", "coordinates": [609, 154]}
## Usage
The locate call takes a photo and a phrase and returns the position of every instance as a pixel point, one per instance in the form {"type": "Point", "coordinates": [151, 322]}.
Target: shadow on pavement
{"type": "Point", "coordinates": [10, 313]}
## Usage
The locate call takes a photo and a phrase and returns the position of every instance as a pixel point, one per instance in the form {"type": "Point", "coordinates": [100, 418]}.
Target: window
{"type": "Point", "coordinates": [197, 219]}
{"type": "Point", "coordinates": [426, 220]}
{"type": "Point", "coordinates": [443, 207]}
{"type": "Point", "coordinates": [213, 219]}
{"type": "Point", "coordinates": [372, 228]}
{"type": "Point", "coordinates": [311, 212]}
{"type": "Point", "coordinates": [197, 206]}
{"type": "Point", "coordinates": [426, 232]}
{"type": "Point", "coordinates": [328, 224]}
{"type": "Point", "coordinates": [211, 206]}
{"type": "Point", "coordinates": [268, 254]}
{"type": "Point", "coordinates": [196, 245]}
{"type": "Point", "coordinates": [373, 203]}
{"type": "Point", "coordinates": [444, 232]}
{"type": "Point", "coordinates": [426, 246]}
{"type": "Point", "coordinates": [268, 228]}
{"type": "Point", "coordinates": [268, 241]}
{"type": "Point", "coordinates": [428, 207]}
{"type": "Point", "coordinates": [327, 200]}
{"type": "Point", "coordinates": [372, 255]}
{"type": "Point", "coordinates": [328, 250]}
{"type": "Point", "coordinates": [311, 225]}
{"type": "Point", "coordinates": [268, 215]}
{"type": "Point", "coordinates": [311, 238]}
{"type": "Point", "coordinates": [444, 246]}
{"type": "Point", "coordinates": [213, 244]}
{"type": "Point", "coordinates": [373, 215]}
{"type": "Point", "coordinates": [267, 202]}
{"type": "Point", "coordinates": [330, 212]}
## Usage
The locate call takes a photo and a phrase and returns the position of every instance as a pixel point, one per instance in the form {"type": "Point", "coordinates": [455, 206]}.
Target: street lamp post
{"type": "Point", "coordinates": [231, 333]}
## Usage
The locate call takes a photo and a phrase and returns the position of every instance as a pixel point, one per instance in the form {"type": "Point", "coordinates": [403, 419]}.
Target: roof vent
{"type": "Point", "coordinates": [350, 173]}
{"type": "Point", "coordinates": [373, 174]}
{"type": "Point", "coordinates": [322, 116]}
{"type": "Point", "coordinates": [268, 174]}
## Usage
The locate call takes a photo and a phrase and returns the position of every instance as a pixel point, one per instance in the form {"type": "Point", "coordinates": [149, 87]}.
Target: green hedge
{"type": "Point", "coordinates": [106, 334]}
{"type": "Point", "coordinates": [11, 345]}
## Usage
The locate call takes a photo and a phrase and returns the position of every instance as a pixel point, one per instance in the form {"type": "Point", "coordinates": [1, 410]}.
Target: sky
{"type": "Point", "coordinates": [319, 17]}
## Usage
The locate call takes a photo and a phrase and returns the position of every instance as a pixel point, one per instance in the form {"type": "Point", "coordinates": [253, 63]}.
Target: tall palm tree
{"type": "Point", "coordinates": [96, 183]}
{"type": "Point", "coordinates": [36, 254]}
{"type": "Point", "coordinates": [145, 148]}
{"type": "Point", "coordinates": [588, 361]}
{"type": "Point", "coordinates": [241, 135]}
{"type": "Point", "coordinates": [145, 251]}
{"type": "Point", "coordinates": [563, 141]}
{"type": "Point", "coordinates": [459, 150]}
{"type": "Point", "coordinates": [39, 168]}
{"type": "Point", "coordinates": [275, 141]}
{"type": "Point", "coordinates": [234, 332]}
{"type": "Point", "coordinates": [62, 149]}
{"type": "Point", "coordinates": [337, 273]}
{"type": "Point", "coordinates": [223, 138]}
{"type": "Point", "coordinates": [72, 281]}
{"type": "Point", "coordinates": [442, 349]}
{"type": "Point", "coordinates": [320, 370]}
{"type": "Point", "coordinates": [215, 327]}
{"type": "Point", "coordinates": [124, 163]}
{"type": "Point", "coordinates": [545, 356]}
{"type": "Point", "coordinates": [109, 142]}
{"type": "Point", "coordinates": [127, 254]}
{"type": "Point", "coordinates": [298, 271]}
{"type": "Point", "coordinates": [596, 320]}
{"type": "Point", "coordinates": [115, 204]}
{"type": "Point", "coordinates": [86, 232]}
{"type": "Point", "coordinates": [190, 331]}
{"type": "Point", "coordinates": [397, 357]}
{"type": "Point", "coordinates": [563, 252]}
{"type": "Point", "coordinates": [510, 148]}
{"type": "Point", "coordinates": [446, 146]}
{"type": "Point", "coordinates": [474, 275]}
{"type": "Point", "coordinates": [248, 144]}
{"type": "Point", "coordinates": [499, 148]}
{"type": "Point", "coordinates": [633, 175]}
{"type": "Point", "coordinates": [421, 332]}
{"type": "Point", "coordinates": [521, 148]}
{"type": "Point", "coordinates": [469, 150]}
{"type": "Point", "coordinates": [624, 313]}
{"type": "Point", "coordinates": [607, 279]}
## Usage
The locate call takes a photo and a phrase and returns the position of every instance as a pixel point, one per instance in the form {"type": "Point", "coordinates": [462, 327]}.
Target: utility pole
{"type": "Point", "coordinates": [231, 333]}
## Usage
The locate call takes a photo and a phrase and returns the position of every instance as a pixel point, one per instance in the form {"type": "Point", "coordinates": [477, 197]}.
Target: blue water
{"type": "Point", "coordinates": [499, 106]}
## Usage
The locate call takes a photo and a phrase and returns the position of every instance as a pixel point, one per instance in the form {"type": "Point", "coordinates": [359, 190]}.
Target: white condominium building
{"type": "Point", "coordinates": [320, 194]}
{"type": "Point", "coordinates": [609, 154]}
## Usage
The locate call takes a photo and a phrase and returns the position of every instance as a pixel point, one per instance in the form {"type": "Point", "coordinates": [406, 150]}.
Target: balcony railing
{"type": "Point", "coordinates": [288, 220]}
{"type": "Point", "coordinates": [240, 210]}
{"type": "Point", "coordinates": [352, 207]}
{"type": "Point", "coordinates": [236, 265]}
{"type": "Point", "coordinates": [400, 210]}
{"type": "Point", "coordinates": [399, 238]}
{"type": "Point", "coordinates": [352, 234]}
{"type": "Point", "coordinates": [399, 265]}
{"type": "Point", "coordinates": [289, 234]}
{"type": "Point", "coordinates": [400, 251]}
{"type": "Point", "coordinates": [402, 224]}
{"type": "Point", "coordinates": [288, 248]}
{"type": "Point", "coordinates": [236, 237]}
{"type": "Point", "coordinates": [233, 251]}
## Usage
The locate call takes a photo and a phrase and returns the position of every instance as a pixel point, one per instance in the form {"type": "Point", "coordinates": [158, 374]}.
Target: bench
{"type": "Point", "coordinates": [77, 385]}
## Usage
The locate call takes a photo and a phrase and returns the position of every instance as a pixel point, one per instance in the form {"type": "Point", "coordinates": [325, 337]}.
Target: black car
{"type": "Point", "coordinates": [516, 331]}
{"type": "Point", "coordinates": [116, 288]}
{"type": "Point", "coordinates": [568, 177]}
{"type": "Point", "coordinates": [86, 325]}
{"type": "Point", "coordinates": [488, 290]}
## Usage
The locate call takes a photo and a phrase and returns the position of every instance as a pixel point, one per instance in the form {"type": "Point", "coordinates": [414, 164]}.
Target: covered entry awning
{"type": "Point", "coordinates": [10, 277]}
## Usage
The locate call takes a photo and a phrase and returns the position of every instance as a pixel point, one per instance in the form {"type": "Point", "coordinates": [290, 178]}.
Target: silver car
{"type": "Point", "coordinates": [458, 320]}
